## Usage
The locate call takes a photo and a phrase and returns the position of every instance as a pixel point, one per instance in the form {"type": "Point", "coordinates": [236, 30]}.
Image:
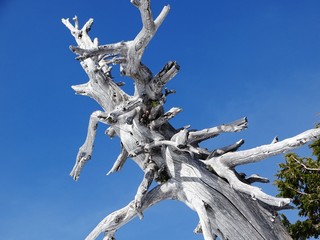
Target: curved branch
{"type": "Point", "coordinates": [118, 218]}
{"type": "Point", "coordinates": [303, 165]}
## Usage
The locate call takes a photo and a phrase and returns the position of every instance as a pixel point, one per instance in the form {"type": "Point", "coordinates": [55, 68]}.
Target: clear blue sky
{"type": "Point", "coordinates": [259, 59]}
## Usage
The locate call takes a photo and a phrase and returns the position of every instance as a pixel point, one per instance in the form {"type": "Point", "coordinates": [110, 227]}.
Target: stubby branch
{"type": "Point", "coordinates": [164, 118]}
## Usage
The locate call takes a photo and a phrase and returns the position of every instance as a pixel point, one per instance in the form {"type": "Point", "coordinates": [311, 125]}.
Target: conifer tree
{"type": "Point", "coordinates": [299, 179]}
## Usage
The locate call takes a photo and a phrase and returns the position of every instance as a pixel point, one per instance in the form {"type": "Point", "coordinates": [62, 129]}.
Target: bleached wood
{"type": "Point", "coordinates": [205, 134]}
{"type": "Point", "coordinates": [259, 153]}
{"type": "Point", "coordinates": [120, 217]}
{"type": "Point", "coordinates": [230, 148]}
{"type": "Point", "coordinates": [155, 87]}
{"type": "Point", "coordinates": [144, 185]}
{"type": "Point", "coordinates": [120, 160]}
{"type": "Point", "coordinates": [85, 151]}
{"type": "Point", "coordinates": [164, 118]}
{"type": "Point", "coordinates": [224, 165]}
{"type": "Point", "coordinates": [256, 178]}
{"type": "Point", "coordinates": [222, 198]}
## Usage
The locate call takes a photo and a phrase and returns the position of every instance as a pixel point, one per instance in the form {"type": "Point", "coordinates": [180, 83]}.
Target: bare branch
{"type": "Point", "coordinates": [296, 190]}
{"type": "Point", "coordinates": [162, 16]}
{"type": "Point", "coordinates": [100, 87]}
{"type": "Point", "coordinates": [120, 160]}
{"type": "Point", "coordinates": [85, 150]}
{"type": "Point", "coordinates": [303, 165]}
{"type": "Point", "coordinates": [110, 132]}
{"type": "Point", "coordinates": [230, 148]}
{"type": "Point", "coordinates": [224, 165]}
{"type": "Point", "coordinates": [205, 134]}
{"type": "Point", "coordinates": [155, 86]}
{"type": "Point", "coordinates": [275, 140]}
{"type": "Point", "coordinates": [205, 222]}
{"type": "Point", "coordinates": [144, 186]}
{"type": "Point", "coordinates": [109, 49]}
{"type": "Point", "coordinates": [256, 178]}
{"type": "Point", "coordinates": [233, 159]}
{"type": "Point", "coordinates": [118, 218]}
{"type": "Point", "coordinates": [164, 118]}
{"type": "Point", "coordinates": [82, 89]}
{"type": "Point", "coordinates": [254, 192]}
{"type": "Point", "coordinates": [81, 35]}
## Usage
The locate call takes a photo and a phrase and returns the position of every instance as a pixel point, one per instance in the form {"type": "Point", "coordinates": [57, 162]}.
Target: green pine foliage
{"type": "Point", "coordinates": [299, 179]}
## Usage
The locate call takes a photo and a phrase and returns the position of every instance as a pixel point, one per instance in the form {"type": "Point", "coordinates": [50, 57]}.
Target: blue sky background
{"type": "Point", "coordinates": [259, 59]}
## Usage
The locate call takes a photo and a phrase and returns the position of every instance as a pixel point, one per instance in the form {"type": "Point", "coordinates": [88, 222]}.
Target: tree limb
{"type": "Point", "coordinates": [230, 148]}
{"type": "Point", "coordinates": [256, 178]}
{"type": "Point", "coordinates": [198, 136]}
{"type": "Point", "coordinates": [144, 186]}
{"type": "Point", "coordinates": [234, 159]}
{"type": "Point", "coordinates": [85, 151]}
{"type": "Point", "coordinates": [156, 84]}
{"type": "Point", "coordinates": [120, 160]}
{"type": "Point", "coordinates": [303, 165]}
{"type": "Point", "coordinates": [224, 165]}
{"type": "Point", "coordinates": [164, 118]}
{"type": "Point", "coordinates": [118, 218]}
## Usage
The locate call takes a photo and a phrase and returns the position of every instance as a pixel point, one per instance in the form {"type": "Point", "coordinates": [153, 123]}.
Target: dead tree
{"type": "Point", "coordinates": [228, 206]}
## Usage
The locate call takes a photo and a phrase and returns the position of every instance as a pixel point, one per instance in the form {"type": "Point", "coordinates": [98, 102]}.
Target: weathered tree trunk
{"type": "Point", "coordinates": [206, 181]}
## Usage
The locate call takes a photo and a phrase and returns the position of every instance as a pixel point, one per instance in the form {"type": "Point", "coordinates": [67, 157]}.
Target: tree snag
{"type": "Point", "coordinates": [206, 181]}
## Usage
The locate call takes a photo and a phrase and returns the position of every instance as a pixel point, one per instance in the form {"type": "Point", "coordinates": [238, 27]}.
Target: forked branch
{"type": "Point", "coordinates": [224, 165]}
{"type": "Point", "coordinates": [130, 52]}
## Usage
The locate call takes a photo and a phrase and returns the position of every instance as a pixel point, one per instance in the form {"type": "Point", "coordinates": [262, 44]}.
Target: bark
{"type": "Point", "coordinates": [206, 181]}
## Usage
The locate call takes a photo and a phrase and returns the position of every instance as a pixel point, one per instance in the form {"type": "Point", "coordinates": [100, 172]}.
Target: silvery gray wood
{"type": "Point", "coordinates": [206, 181]}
